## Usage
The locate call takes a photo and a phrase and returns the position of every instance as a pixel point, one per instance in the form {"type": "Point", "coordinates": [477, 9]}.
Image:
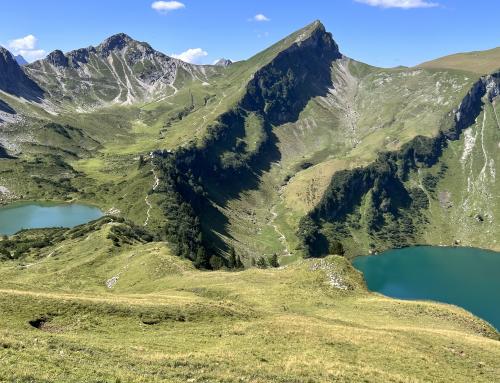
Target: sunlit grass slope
{"type": "Point", "coordinates": [162, 320]}
{"type": "Point", "coordinates": [480, 62]}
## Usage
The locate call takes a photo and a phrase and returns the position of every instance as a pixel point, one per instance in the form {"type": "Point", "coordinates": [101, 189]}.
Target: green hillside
{"type": "Point", "coordinates": [134, 313]}
{"type": "Point", "coordinates": [480, 62]}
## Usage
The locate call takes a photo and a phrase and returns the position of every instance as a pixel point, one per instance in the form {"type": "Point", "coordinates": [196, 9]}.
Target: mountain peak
{"type": "Point", "coordinates": [57, 58]}
{"type": "Point", "coordinates": [20, 60]}
{"type": "Point", "coordinates": [115, 42]}
{"type": "Point", "coordinates": [5, 53]}
{"type": "Point", "coordinates": [223, 62]}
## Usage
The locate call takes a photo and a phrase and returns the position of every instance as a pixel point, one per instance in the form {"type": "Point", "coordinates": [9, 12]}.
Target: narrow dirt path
{"type": "Point", "coordinates": [282, 237]}
{"type": "Point", "coordinates": [274, 215]}
{"type": "Point", "coordinates": [155, 185]}
{"type": "Point", "coordinates": [421, 185]}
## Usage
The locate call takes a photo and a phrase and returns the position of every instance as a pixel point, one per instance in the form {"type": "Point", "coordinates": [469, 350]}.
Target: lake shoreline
{"type": "Point", "coordinates": [467, 277]}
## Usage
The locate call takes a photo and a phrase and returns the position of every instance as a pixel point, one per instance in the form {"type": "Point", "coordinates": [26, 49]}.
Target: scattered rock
{"type": "Point", "coordinates": [110, 283]}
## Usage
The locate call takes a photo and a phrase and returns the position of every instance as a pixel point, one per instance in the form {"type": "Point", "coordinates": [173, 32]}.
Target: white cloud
{"type": "Point", "coordinates": [26, 47]}
{"type": "Point", "coordinates": [26, 42]}
{"type": "Point", "coordinates": [167, 6]}
{"type": "Point", "coordinates": [260, 17]}
{"type": "Point", "coordinates": [32, 54]}
{"type": "Point", "coordinates": [405, 4]}
{"type": "Point", "coordinates": [192, 55]}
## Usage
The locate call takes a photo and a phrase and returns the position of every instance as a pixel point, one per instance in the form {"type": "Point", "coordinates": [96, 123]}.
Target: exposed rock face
{"type": "Point", "coordinates": [223, 62]}
{"type": "Point", "coordinates": [120, 70]}
{"type": "Point", "coordinates": [470, 107]}
{"type": "Point", "coordinates": [13, 80]}
{"type": "Point", "coordinates": [57, 58]}
{"type": "Point", "coordinates": [115, 42]}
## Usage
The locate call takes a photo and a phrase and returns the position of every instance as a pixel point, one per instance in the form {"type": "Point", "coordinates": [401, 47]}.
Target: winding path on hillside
{"type": "Point", "coordinates": [155, 185]}
{"type": "Point", "coordinates": [271, 222]}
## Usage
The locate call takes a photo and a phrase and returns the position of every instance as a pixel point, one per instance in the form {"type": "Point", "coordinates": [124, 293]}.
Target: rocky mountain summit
{"type": "Point", "coordinates": [223, 62]}
{"type": "Point", "coordinates": [120, 70]}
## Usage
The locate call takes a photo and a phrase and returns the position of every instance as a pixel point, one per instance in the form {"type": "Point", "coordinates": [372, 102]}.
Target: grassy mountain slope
{"type": "Point", "coordinates": [480, 62]}
{"type": "Point", "coordinates": [465, 202]}
{"type": "Point", "coordinates": [312, 320]}
{"type": "Point", "coordinates": [386, 203]}
{"type": "Point", "coordinates": [367, 110]}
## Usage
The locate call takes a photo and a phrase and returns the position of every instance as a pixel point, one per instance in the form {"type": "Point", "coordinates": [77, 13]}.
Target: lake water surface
{"type": "Point", "coordinates": [37, 215]}
{"type": "Point", "coordinates": [465, 277]}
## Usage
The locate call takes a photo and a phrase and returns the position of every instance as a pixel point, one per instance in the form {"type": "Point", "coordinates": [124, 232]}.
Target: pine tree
{"type": "Point", "coordinates": [201, 260]}
{"type": "Point", "coordinates": [262, 263]}
{"type": "Point", "coordinates": [274, 261]}
{"type": "Point", "coordinates": [232, 259]}
{"type": "Point", "coordinates": [216, 262]}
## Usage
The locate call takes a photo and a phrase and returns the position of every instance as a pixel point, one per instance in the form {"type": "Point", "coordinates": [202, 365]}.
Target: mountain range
{"type": "Point", "coordinates": [298, 152]}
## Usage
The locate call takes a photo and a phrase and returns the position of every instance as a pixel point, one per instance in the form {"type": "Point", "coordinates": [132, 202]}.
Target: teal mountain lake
{"type": "Point", "coordinates": [37, 215]}
{"type": "Point", "coordinates": [466, 277]}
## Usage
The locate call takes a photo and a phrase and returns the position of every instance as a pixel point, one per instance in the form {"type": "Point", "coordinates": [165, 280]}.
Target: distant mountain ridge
{"type": "Point", "coordinates": [20, 60]}
{"type": "Point", "coordinates": [223, 62]}
{"type": "Point", "coordinates": [481, 62]}
{"type": "Point", "coordinates": [120, 70]}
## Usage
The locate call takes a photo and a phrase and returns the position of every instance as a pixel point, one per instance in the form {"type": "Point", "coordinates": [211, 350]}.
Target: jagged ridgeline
{"type": "Point", "coordinates": [378, 199]}
{"type": "Point", "coordinates": [191, 176]}
{"type": "Point", "coordinates": [119, 70]}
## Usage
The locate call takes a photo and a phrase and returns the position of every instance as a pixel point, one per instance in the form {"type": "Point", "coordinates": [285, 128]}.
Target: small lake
{"type": "Point", "coordinates": [466, 277]}
{"type": "Point", "coordinates": [38, 215]}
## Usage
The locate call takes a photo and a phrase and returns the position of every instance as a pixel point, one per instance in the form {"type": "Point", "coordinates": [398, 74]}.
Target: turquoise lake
{"type": "Point", "coordinates": [37, 215]}
{"type": "Point", "coordinates": [466, 277]}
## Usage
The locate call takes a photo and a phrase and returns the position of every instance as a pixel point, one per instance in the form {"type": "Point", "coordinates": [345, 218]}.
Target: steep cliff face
{"type": "Point", "coordinates": [387, 201]}
{"type": "Point", "coordinates": [281, 89]}
{"type": "Point", "coordinates": [14, 81]}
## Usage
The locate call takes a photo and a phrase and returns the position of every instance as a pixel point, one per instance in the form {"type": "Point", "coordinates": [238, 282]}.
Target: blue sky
{"type": "Point", "coordinates": [378, 32]}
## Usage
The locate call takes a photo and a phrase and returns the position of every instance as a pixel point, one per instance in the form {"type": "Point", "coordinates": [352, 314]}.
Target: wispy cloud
{"type": "Point", "coordinates": [167, 6]}
{"type": "Point", "coordinates": [404, 4]}
{"type": "Point", "coordinates": [260, 17]}
{"type": "Point", "coordinates": [192, 55]}
{"type": "Point", "coordinates": [26, 47]}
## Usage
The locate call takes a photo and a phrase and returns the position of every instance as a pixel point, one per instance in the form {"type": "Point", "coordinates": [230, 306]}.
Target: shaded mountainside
{"type": "Point", "coordinates": [226, 162]}
{"type": "Point", "coordinates": [13, 79]}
